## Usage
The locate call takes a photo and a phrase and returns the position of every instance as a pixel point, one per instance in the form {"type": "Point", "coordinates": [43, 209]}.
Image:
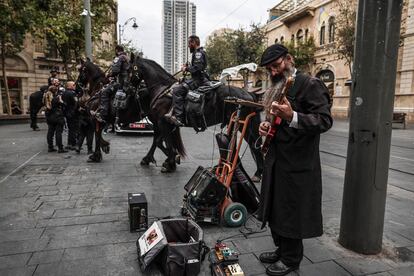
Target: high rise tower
{"type": "Point", "coordinates": [179, 22]}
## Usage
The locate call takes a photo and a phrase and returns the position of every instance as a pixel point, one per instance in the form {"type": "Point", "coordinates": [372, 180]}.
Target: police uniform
{"type": "Point", "coordinates": [71, 113]}
{"type": "Point", "coordinates": [119, 70]}
{"type": "Point", "coordinates": [199, 77]}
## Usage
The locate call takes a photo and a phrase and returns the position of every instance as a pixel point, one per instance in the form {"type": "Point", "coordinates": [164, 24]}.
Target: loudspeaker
{"type": "Point", "coordinates": [137, 212]}
{"type": "Point", "coordinates": [204, 189]}
{"type": "Point", "coordinates": [193, 180]}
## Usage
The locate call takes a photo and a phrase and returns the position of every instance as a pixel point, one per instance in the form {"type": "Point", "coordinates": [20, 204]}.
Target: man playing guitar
{"type": "Point", "coordinates": [291, 188]}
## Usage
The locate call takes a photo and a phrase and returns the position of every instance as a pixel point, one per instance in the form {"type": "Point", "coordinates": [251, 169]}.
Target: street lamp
{"type": "Point", "coordinates": [122, 27]}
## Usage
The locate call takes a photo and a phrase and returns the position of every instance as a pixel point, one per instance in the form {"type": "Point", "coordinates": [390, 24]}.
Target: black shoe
{"type": "Point", "coordinates": [173, 120]}
{"type": "Point", "coordinates": [280, 269]}
{"type": "Point", "coordinates": [90, 151]}
{"type": "Point", "coordinates": [51, 150]}
{"type": "Point", "coordinates": [269, 257]}
{"type": "Point", "coordinates": [62, 150]}
{"type": "Point", "coordinates": [78, 150]}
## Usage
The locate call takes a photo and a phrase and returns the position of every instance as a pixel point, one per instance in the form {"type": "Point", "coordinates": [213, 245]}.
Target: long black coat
{"type": "Point", "coordinates": [292, 185]}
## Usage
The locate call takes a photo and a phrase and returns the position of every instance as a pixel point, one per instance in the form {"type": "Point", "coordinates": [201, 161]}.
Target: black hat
{"type": "Point", "coordinates": [272, 53]}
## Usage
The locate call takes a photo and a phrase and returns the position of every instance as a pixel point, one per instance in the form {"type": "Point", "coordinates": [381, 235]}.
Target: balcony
{"type": "Point", "coordinates": [297, 14]}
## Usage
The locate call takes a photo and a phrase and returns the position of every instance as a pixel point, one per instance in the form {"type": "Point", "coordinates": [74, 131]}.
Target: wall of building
{"type": "Point", "coordinates": [31, 67]}
{"type": "Point", "coordinates": [310, 16]}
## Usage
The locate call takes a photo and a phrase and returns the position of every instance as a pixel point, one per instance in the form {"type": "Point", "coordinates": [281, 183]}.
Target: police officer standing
{"type": "Point", "coordinates": [71, 114]}
{"type": "Point", "coordinates": [199, 77]}
{"type": "Point", "coordinates": [119, 70]}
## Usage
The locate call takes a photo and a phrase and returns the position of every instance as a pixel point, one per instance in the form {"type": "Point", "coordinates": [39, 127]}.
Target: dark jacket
{"type": "Point", "coordinates": [71, 101]}
{"type": "Point", "coordinates": [56, 114]}
{"type": "Point", "coordinates": [120, 68]}
{"type": "Point", "coordinates": [292, 185]}
{"type": "Point", "coordinates": [198, 66]}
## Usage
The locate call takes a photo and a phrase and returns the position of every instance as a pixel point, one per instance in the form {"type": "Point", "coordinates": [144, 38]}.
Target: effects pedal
{"type": "Point", "coordinates": [225, 261]}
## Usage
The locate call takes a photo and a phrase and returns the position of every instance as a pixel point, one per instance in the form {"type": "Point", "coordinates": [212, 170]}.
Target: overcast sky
{"type": "Point", "coordinates": [211, 15]}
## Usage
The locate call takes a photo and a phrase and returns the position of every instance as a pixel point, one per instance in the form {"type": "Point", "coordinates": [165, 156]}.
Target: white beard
{"type": "Point", "coordinates": [272, 93]}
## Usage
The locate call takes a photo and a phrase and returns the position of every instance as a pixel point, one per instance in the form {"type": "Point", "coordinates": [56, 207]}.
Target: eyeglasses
{"type": "Point", "coordinates": [275, 65]}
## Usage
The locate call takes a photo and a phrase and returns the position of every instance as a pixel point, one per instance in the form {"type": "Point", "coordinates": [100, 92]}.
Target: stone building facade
{"type": "Point", "coordinates": [293, 20]}
{"type": "Point", "coordinates": [28, 70]}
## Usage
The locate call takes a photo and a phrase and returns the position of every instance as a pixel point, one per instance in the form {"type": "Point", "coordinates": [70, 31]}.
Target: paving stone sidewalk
{"type": "Point", "coordinates": [62, 216]}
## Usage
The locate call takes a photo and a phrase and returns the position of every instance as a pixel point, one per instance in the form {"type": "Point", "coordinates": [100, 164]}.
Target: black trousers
{"type": "Point", "coordinates": [106, 96]}
{"type": "Point", "coordinates": [290, 250]}
{"type": "Point", "coordinates": [73, 130]}
{"type": "Point", "coordinates": [86, 130]}
{"type": "Point", "coordinates": [54, 129]}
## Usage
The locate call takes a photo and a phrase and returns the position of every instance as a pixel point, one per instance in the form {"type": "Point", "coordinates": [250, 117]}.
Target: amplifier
{"type": "Point", "coordinates": [137, 212]}
{"type": "Point", "coordinates": [204, 189]}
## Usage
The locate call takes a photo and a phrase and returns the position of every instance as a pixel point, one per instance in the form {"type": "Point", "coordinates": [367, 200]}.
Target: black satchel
{"type": "Point", "coordinates": [194, 110]}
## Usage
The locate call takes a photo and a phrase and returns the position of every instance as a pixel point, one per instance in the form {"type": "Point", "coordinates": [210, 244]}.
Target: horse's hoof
{"type": "Point", "coordinates": [165, 170]}
{"type": "Point", "coordinates": [168, 169]}
{"type": "Point", "coordinates": [178, 159]}
{"type": "Point", "coordinates": [94, 158]}
{"type": "Point", "coordinates": [106, 149]}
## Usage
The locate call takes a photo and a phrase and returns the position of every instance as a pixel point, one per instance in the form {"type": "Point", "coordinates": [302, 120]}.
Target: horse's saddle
{"type": "Point", "coordinates": [194, 105]}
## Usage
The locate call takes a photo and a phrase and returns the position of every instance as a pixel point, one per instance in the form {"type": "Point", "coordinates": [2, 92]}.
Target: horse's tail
{"type": "Point", "coordinates": [177, 142]}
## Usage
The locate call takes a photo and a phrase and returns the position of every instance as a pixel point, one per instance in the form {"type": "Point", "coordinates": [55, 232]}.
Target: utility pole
{"type": "Point", "coordinates": [372, 102]}
{"type": "Point", "coordinates": [88, 33]}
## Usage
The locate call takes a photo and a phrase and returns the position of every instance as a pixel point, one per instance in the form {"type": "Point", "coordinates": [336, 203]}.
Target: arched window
{"type": "Point", "coordinates": [282, 39]}
{"type": "Point", "coordinates": [299, 36]}
{"type": "Point", "coordinates": [292, 39]}
{"type": "Point", "coordinates": [322, 34]}
{"type": "Point", "coordinates": [276, 40]}
{"type": "Point", "coordinates": [331, 29]}
{"type": "Point", "coordinates": [306, 34]}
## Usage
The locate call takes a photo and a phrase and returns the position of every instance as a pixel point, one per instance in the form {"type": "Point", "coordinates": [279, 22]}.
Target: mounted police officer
{"type": "Point", "coordinates": [119, 71]}
{"type": "Point", "coordinates": [199, 77]}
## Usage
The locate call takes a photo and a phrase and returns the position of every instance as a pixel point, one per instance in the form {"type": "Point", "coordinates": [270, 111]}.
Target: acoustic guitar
{"type": "Point", "coordinates": [275, 119]}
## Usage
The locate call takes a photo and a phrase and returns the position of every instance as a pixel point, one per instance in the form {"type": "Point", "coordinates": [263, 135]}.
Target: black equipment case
{"type": "Point", "coordinates": [181, 250]}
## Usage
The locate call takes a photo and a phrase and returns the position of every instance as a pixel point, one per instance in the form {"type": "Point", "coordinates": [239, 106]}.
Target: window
{"type": "Point", "coordinates": [299, 36]}
{"type": "Point", "coordinates": [331, 29]}
{"type": "Point", "coordinates": [51, 50]}
{"type": "Point", "coordinates": [40, 44]}
{"type": "Point", "coordinates": [322, 34]}
{"type": "Point", "coordinates": [282, 39]}
{"type": "Point", "coordinates": [292, 39]}
{"type": "Point", "coordinates": [276, 40]}
{"type": "Point", "coordinates": [15, 89]}
{"type": "Point", "coordinates": [306, 34]}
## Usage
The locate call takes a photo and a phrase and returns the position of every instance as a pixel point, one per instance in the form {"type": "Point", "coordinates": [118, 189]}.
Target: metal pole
{"type": "Point", "coordinates": [372, 101]}
{"type": "Point", "coordinates": [119, 34]}
{"type": "Point", "coordinates": [88, 34]}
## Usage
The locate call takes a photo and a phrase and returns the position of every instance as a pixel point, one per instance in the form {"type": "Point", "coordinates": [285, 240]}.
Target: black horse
{"type": "Point", "coordinates": [35, 104]}
{"type": "Point", "coordinates": [90, 81]}
{"type": "Point", "coordinates": [216, 111]}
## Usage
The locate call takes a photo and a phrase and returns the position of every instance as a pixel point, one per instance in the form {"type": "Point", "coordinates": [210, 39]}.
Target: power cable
{"type": "Point", "coordinates": [228, 15]}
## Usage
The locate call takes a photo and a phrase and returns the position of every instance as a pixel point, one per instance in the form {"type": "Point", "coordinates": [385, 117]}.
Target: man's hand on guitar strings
{"type": "Point", "coordinates": [264, 128]}
{"type": "Point", "coordinates": [283, 110]}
